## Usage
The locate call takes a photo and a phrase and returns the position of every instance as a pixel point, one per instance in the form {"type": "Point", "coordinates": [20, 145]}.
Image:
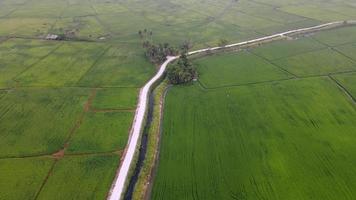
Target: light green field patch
{"type": "Point", "coordinates": [25, 26]}
{"type": "Point", "coordinates": [337, 36]}
{"type": "Point", "coordinates": [286, 48]}
{"type": "Point", "coordinates": [349, 82]}
{"type": "Point", "coordinates": [247, 21]}
{"type": "Point", "coordinates": [348, 50]}
{"type": "Point", "coordinates": [22, 178]}
{"type": "Point", "coordinates": [82, 178]}
{"type": "Point", "coordinates": [64, 67]}
{"type": "Point", "coordinates": [77, 10]}
{"type": "Point", "coordinates": [102, 132]}
{"type": "Point", "coordinates": [267, 12]}
{"type": "Point", "coordinates": [48, 9]}
{"type": "Point", "coordinates": [115, 98]}
{"type": "Point", "coordinates": [105, 8]}
{"type": "Point", "coordinates": [321, 62]}
{"type": "Point", "coordinates": [289, 26]}
{"type": "Point", "coordinates": [119, 66]}
{"type": "Point", "coordinates": [37, 121]}
{"type": "Point", "coordinates": [271, 141]}
{"type": "Point", "coordinates": [82, 27]}
{"type": "Point", "coordinates": [17, 55]}
{"type": "Point", "coordinates": [235, 69]}
{"type": "Point", "coordinates": [128, 27]}
{"type": "Point", "coordinates": [314, 12]}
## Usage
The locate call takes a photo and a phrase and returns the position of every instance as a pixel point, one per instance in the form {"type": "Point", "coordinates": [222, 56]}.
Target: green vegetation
{"type": "Point", "coordinates": [317, 63]}
{"type": "Point", "coordinates": [181, 72]}
{"type": "Point", "coordinates": [250, 134]}
{"type": "Point", "coordinates": [115, 98]}
{"type": "Point", "coordinates": [349, 82]}
{"type": "Point", "coordinates": [81, 177]}
{"type": "Point", "coordinates": [145, 176]}
{"type": "Point", "coordinates": [253, 142]}
{"type": "Point", "coordinates": [23, 113]}
{"type": "Point", "coordinates": [48, 103]}
{"type": "Point", "coordinates": [23, 54]}
{"type": "Point", "coordinates": [235, 69]}
{"type": "Point", "coordinates": [21, 178]}
{"type": "Point", "coordinates": [63, 67]}
{"type": "Point", "coordinates": [101, 132]}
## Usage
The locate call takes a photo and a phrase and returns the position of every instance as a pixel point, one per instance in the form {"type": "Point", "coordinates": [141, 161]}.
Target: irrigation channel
{"type": "Point", "coordinates": [122, 187]}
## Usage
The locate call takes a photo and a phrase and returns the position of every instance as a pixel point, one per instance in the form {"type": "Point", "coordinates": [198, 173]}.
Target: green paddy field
{"type": "Point", "coordinates": [269, 122]}
{"type": "Point", "coordinates": [66, 107]}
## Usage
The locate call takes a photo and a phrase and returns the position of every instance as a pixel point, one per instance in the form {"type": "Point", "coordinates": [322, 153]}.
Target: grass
{"type": "Point", "coordinates": [37, 121]}
{"type": "Point", "coordinates": [21, 178]}
{"type": "Point", "coordinates": [337, 36]}
{"type": "Point", "coordinates": [287, 48]}
{"type": "Point", "coordinates": [16, 55]}
{"type": "Point", "coordinates": [271, 141]}
{"type": "Point", "coordinates": [234, 69]}
{"type": "Point", "coordinates": [349, 82]}
{"type": "Point", "coordinates": [119, 67]}
{"type": "Point", "coordinates": [317, 63]}
{"type": "Point", "coordinates": [25, 27]}
{"type": "Point", "coordinates": [101, 132]}
{"type": "Point", "coordinates": [115, 98]}
{"type": "Point", "coordinates": [63, 67]}
{"type": "Point", "coordinates": [45, 85]}
{"type": "Point", "coordinates": [78, 178]}
{"type": "Point", "coordinates": [348, 50]}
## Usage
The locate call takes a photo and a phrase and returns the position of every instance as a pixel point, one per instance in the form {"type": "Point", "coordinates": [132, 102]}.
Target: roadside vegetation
{"type": "Point", "coordinates": [182, 71]}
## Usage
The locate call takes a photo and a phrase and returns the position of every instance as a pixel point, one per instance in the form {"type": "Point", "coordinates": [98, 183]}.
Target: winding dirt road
{"type": "Point", "coordinates": [118, 186]}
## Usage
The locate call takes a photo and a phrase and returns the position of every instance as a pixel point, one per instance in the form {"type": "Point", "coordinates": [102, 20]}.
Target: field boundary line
{"type": "Point", "coordinates": [119, 184]}
{"type": "Point", "coordinates": [343, 89]}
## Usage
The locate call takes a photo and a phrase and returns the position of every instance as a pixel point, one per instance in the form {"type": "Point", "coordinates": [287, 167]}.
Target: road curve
{"type": "Point", "coordinates": [118, 186]}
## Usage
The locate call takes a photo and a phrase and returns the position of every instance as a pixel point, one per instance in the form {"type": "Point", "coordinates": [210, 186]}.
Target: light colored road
{"type": "Point", "coordinates": [117, 188]}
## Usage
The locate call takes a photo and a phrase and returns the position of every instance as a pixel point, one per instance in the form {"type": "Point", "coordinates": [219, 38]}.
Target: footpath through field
{"type": "Point", "coordinates": [118, 186]}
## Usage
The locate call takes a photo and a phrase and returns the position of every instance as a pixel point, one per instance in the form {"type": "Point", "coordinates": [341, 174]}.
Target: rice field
{"type": "Point", "coordinates": [278, 139]}
{"type": "Point", "coordinates": [66, 106]}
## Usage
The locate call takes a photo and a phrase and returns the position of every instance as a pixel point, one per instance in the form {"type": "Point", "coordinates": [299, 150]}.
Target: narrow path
{"type": "Point", "coordinates": [118, 186]}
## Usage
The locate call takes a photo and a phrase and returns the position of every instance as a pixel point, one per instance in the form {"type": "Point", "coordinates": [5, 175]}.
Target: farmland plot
{"type": "Point", "coordinates": [17, 55]}
{"type": "Point", "coordinates": [282, 138]}
{"type": "Point", "coordinates": [76, 177]}
{"type": "Point", "coordinates": [271, 141]}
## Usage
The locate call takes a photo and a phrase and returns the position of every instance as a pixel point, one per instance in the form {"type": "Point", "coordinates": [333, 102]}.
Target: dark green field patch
{"type": "Point", "coordinates": [22, 178]}
{"type": "Point", "coordinates": [81, 177]}
{"type": "Point", "coordinates": [115, 98]}
{"type": "Point", "coordinates": [320, 62]}
{"type": "Point", "coordinates": [234, 69]}
{"type": "Point", "coordinates": [37, 121]}
{"type": "Point", "coordinates": [271, 141]}
{"type": "Point", "coordinates": [101, 132]}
